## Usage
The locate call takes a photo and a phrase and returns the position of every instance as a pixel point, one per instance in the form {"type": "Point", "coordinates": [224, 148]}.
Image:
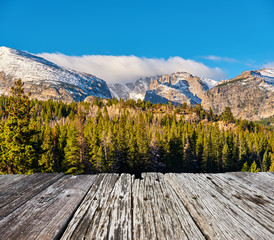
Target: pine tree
{"type": "Point", "coordinates": [254, 167]}
{"type": "Point", "coordinates": [47, 158]}
{"type": "Point", "coordinates": [17, 150]}
{"type": "Point", "coordinates": [266, 161]}
{"type": "Point", "coordinates": [200, 147]}
{"type": "Point", "coordinates": [121, 150]}
{"type": "Point", "coordinates": [227, 115]}
{"type": "Point", "coordinates": [243, 149]}
{"type": "Point", "coordinates": [245, 168]}
{"type": "Point", "coordinates": [71, 163]}
{"type": "Point", "coordinates": [82, 143]}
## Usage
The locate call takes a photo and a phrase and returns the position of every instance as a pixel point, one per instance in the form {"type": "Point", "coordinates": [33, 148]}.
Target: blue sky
{"type": "Point", "coordinates": [230, 36]}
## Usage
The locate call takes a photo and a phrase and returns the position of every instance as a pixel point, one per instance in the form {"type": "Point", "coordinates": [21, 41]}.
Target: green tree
{"type": "Point", "coordinates": [72, 163]}
{"type": "Point", "coordinates": [254, 167]}
{"type": "Point", "coordinates": [227, 115]}
{"type": "Point", "coordinates": [245, 168]}
{"type": "Point", "coordinates": [17, 151]}
{"type": "Point", "coordinates": [266, 161]}
{"type": "Point", "coordinates": [47, 159]}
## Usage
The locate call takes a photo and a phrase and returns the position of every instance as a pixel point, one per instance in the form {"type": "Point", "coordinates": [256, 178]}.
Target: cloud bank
{"type": "Point", "coordinates": [218, 58]}
{"type": "Point", "coordinates": [122, 69]}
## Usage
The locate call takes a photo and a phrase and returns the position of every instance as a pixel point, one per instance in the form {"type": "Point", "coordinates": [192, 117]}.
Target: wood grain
{"type": "Point", "coordinates": [21, 191]}
{"type": "Point", "coordinates": [216, 215]}
{"type": "Point", "coordinates": [46, 214]}
{"type": "Point", "coordinates": [158, 212]}
{"type": "Point", "coordinates": [7, 179]}
{"type": "Point", "coordinates": [157, 206]}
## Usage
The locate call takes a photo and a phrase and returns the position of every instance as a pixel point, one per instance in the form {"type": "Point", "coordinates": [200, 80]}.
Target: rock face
{"type": "Point", "coordinates": [134, 90]}
{"type": "Point", "coordinates": [250, 95]}
{"type": "Point", "coordinates": [177, 88]}
{"type": "Point", "coordinates": [47, 80]}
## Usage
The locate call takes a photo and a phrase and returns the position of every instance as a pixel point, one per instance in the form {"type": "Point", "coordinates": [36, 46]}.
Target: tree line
{"type": "Point", "coordinates": [126, 136]}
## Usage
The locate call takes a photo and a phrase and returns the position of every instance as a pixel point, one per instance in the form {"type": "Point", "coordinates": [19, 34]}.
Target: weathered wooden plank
{"type": "Point", "coordinates": [7, 179]}
{"type": "Point", "coordinates": [45, 215]}
{"type": "Point", "coordinates": [261, 181]}
{"type": "Point", "coordinates": [217, 216]}
{"type": "Point", "coordinates": [105, 213]}
{"type": "Point", "coordinates": [158, 213]}
{"type": "Point", "coordinates": [249, 199]}
{"type": "Point", "coordinates": [21, 191]}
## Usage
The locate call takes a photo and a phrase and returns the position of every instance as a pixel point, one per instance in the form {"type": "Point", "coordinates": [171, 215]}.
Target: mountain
{"type": "Point", "coordinates": [177, 88]}
{"type": "Point", "coordinates": [47, 80]}
{"type": "Point", "coordinates": [250, 95]}
{"type": "Point", "coordinates": [133, 90]}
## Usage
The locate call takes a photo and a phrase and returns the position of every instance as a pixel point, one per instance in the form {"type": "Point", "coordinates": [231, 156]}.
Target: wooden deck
{"type": "Point", "coordinates": [157, 206]}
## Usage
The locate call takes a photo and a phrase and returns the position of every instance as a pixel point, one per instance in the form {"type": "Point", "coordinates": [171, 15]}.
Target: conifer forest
{"type": "Point", "coordinates": [110, 135]}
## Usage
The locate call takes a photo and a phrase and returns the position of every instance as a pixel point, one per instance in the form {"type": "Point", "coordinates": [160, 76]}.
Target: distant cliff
{"type": "Point", "coordinates": [250, 95]}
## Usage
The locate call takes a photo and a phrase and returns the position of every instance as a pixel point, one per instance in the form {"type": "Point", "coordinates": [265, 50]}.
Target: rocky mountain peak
{"type": "Point", "coordinates": [178, 87]}
{"type": "Point", "coordinates": [250, 95]}
{"type": "Point", "coordinates": [47, 80]}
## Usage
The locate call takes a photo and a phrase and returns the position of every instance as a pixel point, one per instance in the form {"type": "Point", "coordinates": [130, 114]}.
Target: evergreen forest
{"type": "Point", "coordinates": [110, 135]}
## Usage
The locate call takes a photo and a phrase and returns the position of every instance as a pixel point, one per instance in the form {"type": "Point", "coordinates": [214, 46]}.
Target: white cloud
{"type": "Point", "coordinates": [114, 69]}
{"type": "Point", "coordinates": [269, 65]}
{"type": "Point", "coordinates": [218, 58]}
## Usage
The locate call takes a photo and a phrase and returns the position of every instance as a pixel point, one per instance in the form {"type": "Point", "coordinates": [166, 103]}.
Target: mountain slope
{"type": "Point", "coordinates": [178, 87]}
{"type": "Point", "coordinates": [133, 90]}
{"type": "Point", "coordinates": [250, 95]}
{"type": "Point", "coordinates": [47, 80]}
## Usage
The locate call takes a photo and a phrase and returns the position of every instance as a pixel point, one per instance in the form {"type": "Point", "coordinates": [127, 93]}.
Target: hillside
{"type": "Point", "coordinates": [102, 135]}
{"type": "Point", "coordinates": [46, 80]}
{"type": "Point", "coordinates": [249, 95]}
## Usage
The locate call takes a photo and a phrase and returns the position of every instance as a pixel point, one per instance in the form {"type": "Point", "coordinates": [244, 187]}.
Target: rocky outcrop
{"type": "Point", "coordinates": [46, 80]}
{"type": "Point", "coordinates": [180, 87]}
{"type": "Point", "coordinates": [134, 90]}
{"type": "Point", "coordinates": [250, 95]}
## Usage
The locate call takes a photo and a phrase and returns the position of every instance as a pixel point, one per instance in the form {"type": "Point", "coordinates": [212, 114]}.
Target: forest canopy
{"type": "Point", "coordinates": [113, 135]}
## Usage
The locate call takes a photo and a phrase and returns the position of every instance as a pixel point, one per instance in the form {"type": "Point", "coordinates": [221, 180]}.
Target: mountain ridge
{"type": "Point", "coordinates": [178, 87]}
{"type": "Point", "coordinates": [46, 79]}
{"type": "Point", "coordinates": [250, 95]}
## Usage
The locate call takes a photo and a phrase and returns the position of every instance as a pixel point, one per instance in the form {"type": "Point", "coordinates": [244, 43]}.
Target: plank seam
{"type": "Point", "coordinates": [63, 229]}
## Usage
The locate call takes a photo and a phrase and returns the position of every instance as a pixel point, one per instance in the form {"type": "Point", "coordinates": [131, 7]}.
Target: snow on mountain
{"type": "Point", "coordinates": [249, 95]}
{"type": "Point", "coordinates": [267, 74]}
{"type": "Point", "coordinates": [178, 87]}
{"type": "Point", "coordinates": [263, 77]}
{"type": "Point", "coordinates": [209, 82]}
{"type": "Point", "coordinates": [134, 90]}
{"type": "Point", "coordinates": [46, 79]}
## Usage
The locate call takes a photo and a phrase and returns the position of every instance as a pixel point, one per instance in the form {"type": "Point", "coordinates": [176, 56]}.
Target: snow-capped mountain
{"type": "Point", "coordinates": [178, 87]}
{"type": "Point", "coordinates": [134, 90]}
{"type": "Point", "coordinates": [47, 80]}
{"type": "Point", "coordinates": [250, 95]}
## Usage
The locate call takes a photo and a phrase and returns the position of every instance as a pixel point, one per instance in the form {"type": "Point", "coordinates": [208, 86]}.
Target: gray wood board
{"type": "Point", "coordinates": [157, 206]}
{"type": "Point", "coordinates": [47, 214]}
{"type": "Point", "coordinates": [158, 212]}
{"type": "Point", "coordinates": [21, 191]}
{"type": "Point", "coordinates": [251, 200]}
{"type": "Point", "coordinates": [261, 181]}
{"type": "Point", "coordinates": [216, 215]}
{"type": "Point", "coordinates": [105, 213]}
{"type": "Point", "coordinates": [7, 179]}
